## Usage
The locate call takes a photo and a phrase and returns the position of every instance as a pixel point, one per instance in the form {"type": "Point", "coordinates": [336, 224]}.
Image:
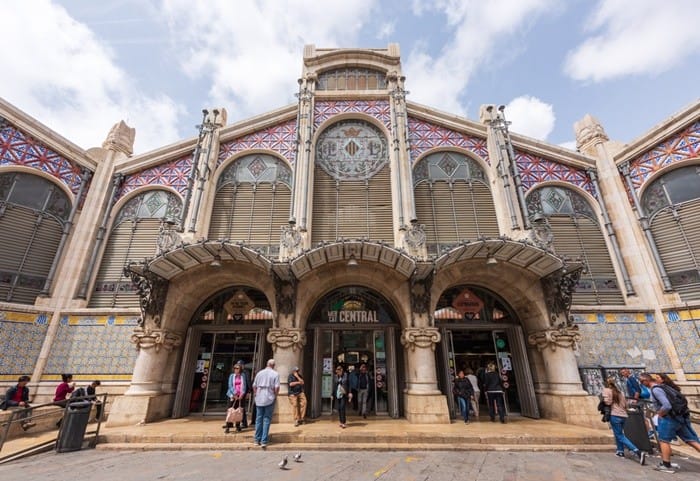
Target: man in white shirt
{"type": "Point", "coordinates": [266, 386]}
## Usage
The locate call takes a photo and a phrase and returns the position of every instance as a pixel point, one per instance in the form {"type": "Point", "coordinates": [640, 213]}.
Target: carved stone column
{"type": "Point", "coordinates": [154, 346]}
{"type": "Point", "coordinates": [288, 347]}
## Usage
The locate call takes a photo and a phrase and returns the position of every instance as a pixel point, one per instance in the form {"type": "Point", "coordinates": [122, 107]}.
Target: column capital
{"type": "Point", "coordinates": [285, 338]}
{"type": "Point", "coordinates": [147, 338]}
{"type": "Point", "coordinates": [421, 337]}
{"type": "Point", "coordinates": [564, 337]}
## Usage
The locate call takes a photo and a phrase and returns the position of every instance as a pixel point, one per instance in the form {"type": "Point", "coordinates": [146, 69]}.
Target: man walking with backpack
{"type": "Point", "coordinates": [674, 419]}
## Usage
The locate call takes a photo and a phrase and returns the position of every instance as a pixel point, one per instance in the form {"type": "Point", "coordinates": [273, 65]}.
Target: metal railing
{"type": "Point", "coordinates": [19, 416]}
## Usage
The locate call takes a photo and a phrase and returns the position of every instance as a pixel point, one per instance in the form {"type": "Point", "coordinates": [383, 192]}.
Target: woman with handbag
{"type": "Point", "coordinates": [237, 390]}
{"type": "Point", "coordinates": [614, 398]}
{"type": "Point", "coordinates": [342, 393]}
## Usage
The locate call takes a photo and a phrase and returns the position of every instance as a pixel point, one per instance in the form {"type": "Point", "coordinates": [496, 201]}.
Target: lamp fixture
{"type": "Point", "coordinates": [491, 260]}
{"type": "Point", "coordinates": [216, 262]}
{"type": "Point", "coordinates": [352, 262]}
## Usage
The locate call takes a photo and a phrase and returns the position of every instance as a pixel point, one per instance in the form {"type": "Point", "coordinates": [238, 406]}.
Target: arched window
{"type": "Point", "coordinates": [252, 202]}
{"type": "Point", "coordinates": [672, 203]}
{"type": "Point", "coordinates": [133, 237]}
{"type": "Point", "coordinates": [578, 237]}
{"type": "Point", "coordinates": [351, 79]}
{"type": "Point", "coordinates": [33, 212]}
{"type": "Point", "coordinates": [453, 200]}
{"type": "Point", "coordinates": [352, 185]}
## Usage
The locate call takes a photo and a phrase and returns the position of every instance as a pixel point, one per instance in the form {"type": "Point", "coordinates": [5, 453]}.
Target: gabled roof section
{"type": "Point", "coordinates": [326, 58]}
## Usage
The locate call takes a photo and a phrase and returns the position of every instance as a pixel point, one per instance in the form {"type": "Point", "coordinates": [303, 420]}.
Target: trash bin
{"type": "Point", "coordinates": [73, 427]}
{"type": "Point", "coordinates": [636, 430]}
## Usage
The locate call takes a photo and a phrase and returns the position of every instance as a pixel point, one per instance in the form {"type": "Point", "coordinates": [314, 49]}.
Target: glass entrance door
{"type": "Point", "coordinates": [352, 348]}
{"type": "Point", "coordinates": [218, 352]}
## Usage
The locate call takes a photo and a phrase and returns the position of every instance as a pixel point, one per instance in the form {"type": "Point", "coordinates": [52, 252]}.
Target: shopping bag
{"type": "Point", "coordinates": [234, 415]}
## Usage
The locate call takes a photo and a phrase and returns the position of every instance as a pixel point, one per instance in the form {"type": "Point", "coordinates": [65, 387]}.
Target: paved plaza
{"type": "Point", "coordinates": [258, 465]}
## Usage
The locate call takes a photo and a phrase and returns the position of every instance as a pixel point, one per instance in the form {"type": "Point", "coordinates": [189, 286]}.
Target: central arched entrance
{"type": "Point", "coordinates": [478, 327]}
{"type": "Point", "coordinates": [352, 326]}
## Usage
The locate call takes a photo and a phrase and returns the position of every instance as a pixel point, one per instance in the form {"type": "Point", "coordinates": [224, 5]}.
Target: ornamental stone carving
{"type": "Point", "coordinates": [415, 235]}
{"type": "Point", "coordinates": [588, 132]}
{"type": "Point", "coordinates": [564, 337]}
{"type": "Point", "coordinates": [421, 337]}
{"type": "Point", "coordinates": [558, 290]}
{"type": "Point", "coordinates": [285, 338]}
{"type": "Point", "coordinates": [285, 294]}
{"type": "Point", "coordinates": [120, 138]}
{"type": "Point", "coordinates": [146, 338]}
{"type": "Point", "coordinates": [152, 290]}
{"type": "Point", "coordinates": [290, 238]}
{"type": "Point", "coordinates": [168, 237]}
{"type": "Point", "coordinates": [420, 294]}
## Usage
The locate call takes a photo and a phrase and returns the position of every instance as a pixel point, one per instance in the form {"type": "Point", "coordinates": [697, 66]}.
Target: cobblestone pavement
{"type": "Point", "coordinates": [258, 465]}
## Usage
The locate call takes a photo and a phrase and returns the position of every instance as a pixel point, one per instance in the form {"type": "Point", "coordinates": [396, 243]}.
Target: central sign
{"type": "Point", "coordinates": [359, 317]}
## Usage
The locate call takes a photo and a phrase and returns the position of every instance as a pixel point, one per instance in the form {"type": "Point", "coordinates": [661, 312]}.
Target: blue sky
{"type": "Point", "coordinates": [79, 66]}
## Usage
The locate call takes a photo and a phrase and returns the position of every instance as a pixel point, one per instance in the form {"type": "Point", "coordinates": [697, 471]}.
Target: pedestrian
{"type": "Point", "coordinates": [674, 421]}
{"type": "Point", "coordinates": [364, 385]}
{"type": "Point", "coordinates": [236, 393]}
{"type": "Point", "coordinates": [493, 386]}
{"type": "Point", "coordinates": [464, 392]}
{"type": "Point", "coordinates": [266, 386]}
{"type": "Point", "coordinates": [297, 397]}
{"type": "Point", "coordinates": [477, 392]}
{"type": "Point", "coordinates": [60, 397]}
{"type": "Point", "coordinates": [342, 393]}
{"type": "Point", "coordinates": [635, 391]}
{"type": "Point", "coordinates": [17, 396]}
{"type": "Point", "coordinates": [617, 401]}
{"type": "Point", "coordinates": [90, 391]}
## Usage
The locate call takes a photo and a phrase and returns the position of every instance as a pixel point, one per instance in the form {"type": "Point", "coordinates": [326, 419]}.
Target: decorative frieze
{"type": "Point", "coordinates": [564, 337]}
{"type": "Point", "coordinates": [285, 338]}
{"type": "Point", "coordinates": [156, 339]}
{"type": "Point", "coordinates": [421, 337]}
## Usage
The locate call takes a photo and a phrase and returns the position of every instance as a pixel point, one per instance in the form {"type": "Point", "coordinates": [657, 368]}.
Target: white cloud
{"type": "Point", "coordinates": [386, 30]}
{"type": "Point", "coordinates": [63, 75]}
{"type": "Point", "coordinates": [636, 37]}
{"type": "Point", "coordinates": [477, 29]}
{"type": "Point", "coordinates": [530, 116]}
{"type": "Point", "coordinates": [247, 49]}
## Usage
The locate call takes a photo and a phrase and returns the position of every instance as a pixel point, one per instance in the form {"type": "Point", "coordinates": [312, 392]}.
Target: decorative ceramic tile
{"type": "Point", "coordinates": [622, 344]}
{"type": "Point", "coordinates": [279, 138]}
{"type": "Point", "coordinates": [425, 135]}
{"type": "Point", "coordinates": [686, 339]}
{"type": "Point", "coordinates": [535, 170]}
{"type": "Point", "coordinates": [680, 146]}
{"type": "Point", "coordinates": [379, 109]}
{"type": "Point", "coordinates": [21, 337]}
{"type": "Point", "coordinates": [17, 148]}
{"type": "Point", "coordinates": [93, 345]}
{"type": "Point", "coordinates": [173, 174]}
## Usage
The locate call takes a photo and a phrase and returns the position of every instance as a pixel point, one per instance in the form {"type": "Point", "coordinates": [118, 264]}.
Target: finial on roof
{"type": "Point", "coordinates": [120, 138]}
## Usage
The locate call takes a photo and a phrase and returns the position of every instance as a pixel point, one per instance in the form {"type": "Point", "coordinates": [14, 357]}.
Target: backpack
{"type": "Point", "coordinates": [79, 392]}
{"type": "Point", "coordinates": [679, 404]}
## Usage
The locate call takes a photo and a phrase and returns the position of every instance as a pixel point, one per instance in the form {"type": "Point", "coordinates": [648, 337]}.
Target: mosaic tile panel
{"type": "Point", "coordinates": [686, 337]}
{"type": "Point", "coordinates": [379, 109]}
{"type": "Point", "coordinates": [681, 146]}
{"type": "Point", "coordinates": [534, 170]}
{"type": "Point", "coordinates": [423, 136]}
{"type": "Point", "coordinates": [173, 174]}
{"type": "Point", "coordinates": [622, 344]}
{"type": "Point", "coordinates": [93, 345]}
{"type": "Point", "coordinates": [21, 338]}
{"type": "Point", "coordinates": [17, 148]}
{"type": "Point", "coordinates": [278, 138]}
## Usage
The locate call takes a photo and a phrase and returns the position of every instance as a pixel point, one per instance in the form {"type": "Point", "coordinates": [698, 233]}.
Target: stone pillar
{"type": "Point", "coordinates": [562, 397]}
{"type": "Point", "coordinates": [424, 402]}
{"type": "Point", "coordinates": [145, 401]}
{"type": "Point", "coordinates": [288, 347]}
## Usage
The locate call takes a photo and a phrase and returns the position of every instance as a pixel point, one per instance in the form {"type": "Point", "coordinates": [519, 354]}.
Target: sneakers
{"type": "Point", "coordinates": [664, 469]}
{"type": "Point", "coordinates": [263, 445]}
{"type": "Point", "coordinates": [620, 454]}
{"type": "Point", "coordinates": [256, 443]}
{"type": "Point", "coordinates": [650, 434]}
{"type": "Point", "coordinates": [296, 423]}
{"type": "Point", "coordinates": [642, 456]}
{"type": "Point", "coordinates": [27, 425]}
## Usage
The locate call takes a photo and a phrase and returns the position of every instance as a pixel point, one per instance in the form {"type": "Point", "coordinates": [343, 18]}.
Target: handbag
{"type": "Point", "coordinates": [234, 415]}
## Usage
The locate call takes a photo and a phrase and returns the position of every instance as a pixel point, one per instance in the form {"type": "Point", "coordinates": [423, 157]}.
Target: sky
{"type": "Point", "coordinates": [80, 66]}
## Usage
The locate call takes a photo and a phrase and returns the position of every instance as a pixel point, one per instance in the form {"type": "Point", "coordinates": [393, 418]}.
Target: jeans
{"type": "Point", "coordinates": [617, 424]}
{"type": "Point", "coordinates": [263, 418]}
{"type": "Point", "coordinates": [496, 397]}
{"type": "Point", "coordinates": [362, 395]}
{"type": "Point", "coordinates": [463, 407]}
{"type": "Point", "coordinates": [342, 403]}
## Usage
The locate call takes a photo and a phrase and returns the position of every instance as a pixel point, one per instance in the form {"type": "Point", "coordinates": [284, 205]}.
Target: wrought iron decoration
{"type": "Point", "coordinates": [285, 294]}
{"type": "Point", "coordinates": [558, 290]}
